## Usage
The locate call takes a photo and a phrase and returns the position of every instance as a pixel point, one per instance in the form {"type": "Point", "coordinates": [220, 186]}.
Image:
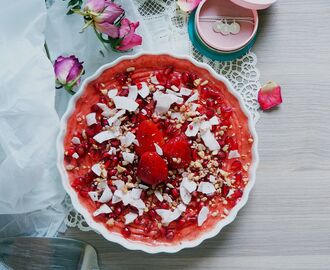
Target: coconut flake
{"type": "Point", "coordinates": [125, 103]}
{"type": "Point", "coordinates": [136, 193]}
{"type": "Point", "coordinates": [214, 121]}
{"type": "Point", "coordinates": [193, 107]}
{"type": "Point", "coordinates": [185, 91]}
{"type": "Point", "coordinates": [210, 141]}
{"type": "Point", "coordinates": [233, 154]}
{"type": "Point", "coordinates": [139, 204]}
{"type": "Point", "coordinates": [167, 198]}
{"type": "Point", "coordinates": [94, 195]}
{"type": "Point", "coordinates": [106, 195]}
{"type": "Point", "coordinates": [176, 115]}
{"type": "Point", "coordinates": [118, 114]}
{"type": "Point", "coordinates": [154, 80]}
{"type": "Point", "coordinates": [75, 155]}
{"type": "Point", "coordinates": [202, 215]}
{"type": "Point", "coordinates": [192, 129]}
{"type": "Point", "coordinates": [97, 169]}
{"type": "Point", "coordinates": [119, 184]}
{"type": "Point", "coordinates": [128, 157]}
{"type": "Point", "coordinates": [164, 101]}
{"type": "Point", "coordinates": [192, 98]}
{"type": "Point", "coordinates": [112, 93]}
{"type": "Point", "coordinates": [182, 207]}
{"type": "Point", "coordinates": [112, 151]}
{"type": "Point", "coordinates": [105, 136]}
{"type": "Point", "coordinates": [168, 216]}
{"type": "Point", "coordinates": [185, 195]}
{"type": "Point", "coordinates": [104, 209]}
{"type": "Point", "coordinates": [189, 185]}
{"type": "Point", "coordinates": [130, 217]}
{"type": "Point", "coordinates": [212, 179]}
{"type": "Point", "coordinates": [75, 140]}
{"type": "Point", "coordinates": [133, 92]}
{"type": "Point", "coordinates": [168, 91]}
{"type": "Point", "coordinates": [107, 112]}
{"type": "Point", "coordinates": [143, 186]}
{"type": "Point", "coordinates": [127, 139]}
{"type": "Point", "coordinates": [205, 126]}
{"type": "Point", "coordinates": [159, 196]}
{"type": "Point", "coordinates": [159, 150]}
{"type": "Point", "coordinates": [91, 119]}
{"type": "Point", "coordinates": [144, 91]}
{"type": "Point", "coordinates": [206, 188]}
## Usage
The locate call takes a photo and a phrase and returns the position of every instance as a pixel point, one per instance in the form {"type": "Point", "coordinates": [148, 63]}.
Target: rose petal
{"type": "Point", "coordinates": [188, 5]}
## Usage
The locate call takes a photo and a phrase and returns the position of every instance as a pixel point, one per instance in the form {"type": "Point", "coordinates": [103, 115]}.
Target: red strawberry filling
{"type": "Point", "coordinates": [158, 154]}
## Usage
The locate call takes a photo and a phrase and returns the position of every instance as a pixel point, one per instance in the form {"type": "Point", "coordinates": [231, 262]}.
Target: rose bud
{"type": "Point", "coordinates": [104, 14]}
{"type": "Point", "coordinates": [188, 5]}
{"type": "Point", "coordinates": [269, 96]}
{"type": "Point", "coordinates": [68, 71]}
{"type": "Point", "coordinates": [127, 35]}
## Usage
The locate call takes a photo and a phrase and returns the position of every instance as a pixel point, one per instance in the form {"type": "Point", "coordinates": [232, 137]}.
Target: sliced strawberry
{"type": "Point", "coordinates": [152, 169]}
{"type": "Point", "coordinates": [178, 152]}
{"type": "Point", "coordinates": [269, 96]}
{"type": "Point", "coordinates": [147, 135]}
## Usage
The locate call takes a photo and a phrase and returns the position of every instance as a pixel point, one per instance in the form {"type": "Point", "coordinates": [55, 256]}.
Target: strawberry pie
{"type": "Point", "coordinates": [158, 150]}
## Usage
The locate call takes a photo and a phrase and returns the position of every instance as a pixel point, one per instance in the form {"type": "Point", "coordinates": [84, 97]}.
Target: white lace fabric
{"type": "Point", "coordinates": [167, 26]}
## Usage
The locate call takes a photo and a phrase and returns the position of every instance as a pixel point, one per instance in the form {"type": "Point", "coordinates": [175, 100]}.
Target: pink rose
{"type": "Point", "coordinates": [68, 71]}
{"type": "Point", "coordinates": [188, 5]}
{"type": "Point", "coordinates": [127, 35]}
{"type": "Point", "coordinates": [104, 13]}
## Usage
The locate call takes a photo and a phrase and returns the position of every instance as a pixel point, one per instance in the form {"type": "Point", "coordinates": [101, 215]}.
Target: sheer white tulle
{"type": "Point", "coordinates": [164, 28]}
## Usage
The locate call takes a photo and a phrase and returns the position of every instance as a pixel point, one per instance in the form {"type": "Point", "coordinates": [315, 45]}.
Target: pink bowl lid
{"type": "Point", "coordinates": [254, 4]}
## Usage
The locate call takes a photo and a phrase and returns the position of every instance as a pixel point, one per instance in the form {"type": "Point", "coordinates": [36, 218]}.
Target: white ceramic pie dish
{"type": "Point", "coordinates": [117, 238]}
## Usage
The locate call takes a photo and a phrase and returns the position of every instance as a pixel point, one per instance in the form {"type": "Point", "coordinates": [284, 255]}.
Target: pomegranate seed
{"type": "Point", "coordinates": [118, 210]}
{"type": "Point", "coordinates": [169, 235]}
{"type": "Point", "coordinates": [236, 195]}
{"type": "Point", "coordinates": [175, 192]}
{"type": "Point", "coordinates": [112, 172]}
{"type": "Point", "coordinates": [224, 190]}
{"type": "Point", "coordinates": [181, 222]}
{"type": "Point", "coordinates": [168, 70]}
{"type": "Point", "coordinates": [221, 155]}
{"type": "Point", "coordinates": [107, 164]}
{"type": "Point", "coordinates": [209, 113]}
{"type": "Point", "coordinates": [226, 112]}
{"type": "Point", "coordinates": [152, 213]}
{"type": "Point", "coordinates": [137, 221]}
{"type": "Point", "coordinates": [210, 103]}
{"type": "Point", "coordinates": [70, 152]}
{"type": "Point", "coordinates": [95, 108]}
{"type": "Point", "coordinates": [192, 219]}
{"type": "Point", "coordinates": [115, 143]}
{"type": "Point", "coordinates": [126, 232]}
{"type": "Point", "coordinates": [113, 188]}
{"type": "Point", "coordinates": [238, 179]}
{"type": "Point", "coordinates": [175, 81]}
{"type": "Point", "coordinates": [115, 160]}
{"type": "Point", "coordinates": [185, 77]}
{"type": "Point", "coordinates": [200, 205]}
{"type": "Point", "coordinates": [81, 151]}
{"type": "Point", "coordinates": [194, 193]}
{"type": "Point", "coordinates": [164, 205]}
{"type": "Point", "coordinates": [236, 166]}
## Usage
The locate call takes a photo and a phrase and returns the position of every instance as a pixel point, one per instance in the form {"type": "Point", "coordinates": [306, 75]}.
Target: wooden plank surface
{"type": "Point", "coordinates": [286, 223]}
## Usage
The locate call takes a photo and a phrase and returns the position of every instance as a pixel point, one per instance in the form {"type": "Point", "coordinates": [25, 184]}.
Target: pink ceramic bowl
{"type": "Point", "coordinates": [222, 43]}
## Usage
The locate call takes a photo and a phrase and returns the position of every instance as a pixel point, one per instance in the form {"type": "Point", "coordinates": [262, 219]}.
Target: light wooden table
{"type": "Point", "coordinates": [286, 223]}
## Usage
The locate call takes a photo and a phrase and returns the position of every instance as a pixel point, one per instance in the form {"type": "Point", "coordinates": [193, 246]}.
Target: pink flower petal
{"type": "Point", "coordinates": [136, 40]}
{"type": "Point", "coordinates": [95, 5]}
{"type": "Point", "coordinates": [67, 69]}
{"type": "Point", "coordinates": [109, 14]}
{"type": "Point", "coordinates": [107, 28]}
{"type": "Point", "coordinates": [62, 67]}
{"type": "Point", "coordinates": [270, 96]}
{"type": "Point", "coordinates": [129, 38]}
{"type": "Point", "coordinates": [188, 5]}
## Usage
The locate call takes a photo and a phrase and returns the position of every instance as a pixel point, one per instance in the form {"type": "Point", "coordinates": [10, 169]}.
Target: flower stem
{"type": "Point", "coordinates": [47, 51]}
